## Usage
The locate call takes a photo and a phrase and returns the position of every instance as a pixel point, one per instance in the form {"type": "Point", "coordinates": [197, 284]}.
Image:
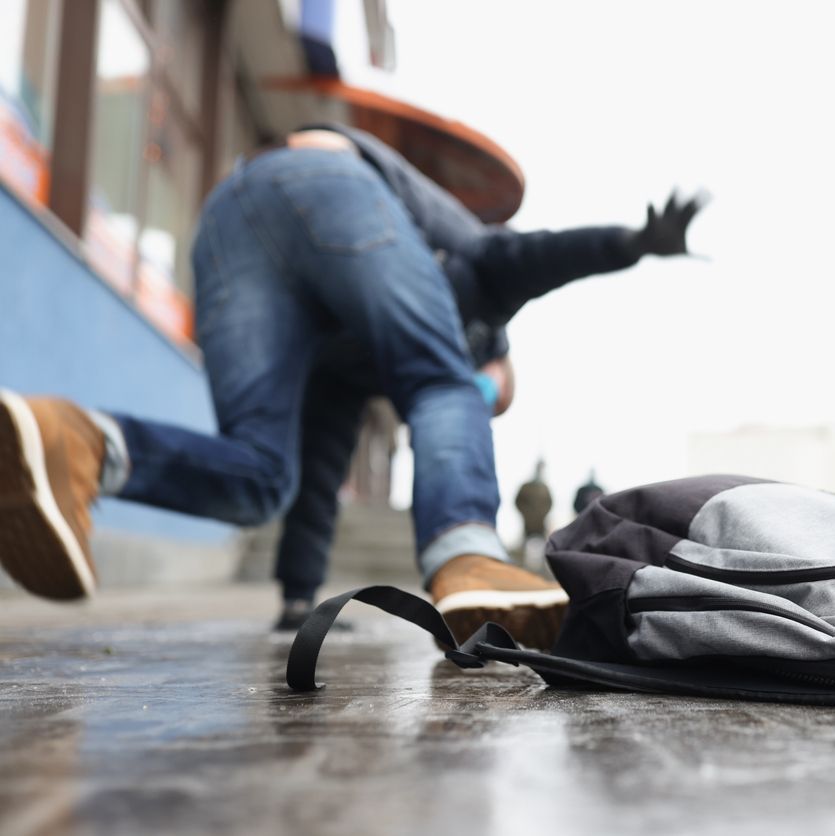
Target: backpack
{"type": "Point", "coordinates": [720, 586]}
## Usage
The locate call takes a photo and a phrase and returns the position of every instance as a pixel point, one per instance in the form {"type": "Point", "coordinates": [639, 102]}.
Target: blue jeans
{"type": "Point", "coordinates": [293, 245]}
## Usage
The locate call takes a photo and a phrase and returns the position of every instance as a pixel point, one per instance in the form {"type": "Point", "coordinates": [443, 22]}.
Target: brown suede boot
{"type": "Point", "coordinates": [472, 589]}
{"type": "Point", "coordinates": [51, 455]}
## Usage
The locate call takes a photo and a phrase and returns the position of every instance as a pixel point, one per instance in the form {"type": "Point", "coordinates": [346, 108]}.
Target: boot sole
{"type": "Point", "coordinates": [533, 617]}
{"type": "Point", "coordinates": [37, 546]}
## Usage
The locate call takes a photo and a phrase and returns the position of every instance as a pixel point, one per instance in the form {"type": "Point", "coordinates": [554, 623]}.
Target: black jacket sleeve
{"type": "Point", "coordinates": [513, 267]}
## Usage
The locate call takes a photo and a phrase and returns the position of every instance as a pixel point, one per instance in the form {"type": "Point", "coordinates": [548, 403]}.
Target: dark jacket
{"type": "Point", "coordinates": [492, 272]}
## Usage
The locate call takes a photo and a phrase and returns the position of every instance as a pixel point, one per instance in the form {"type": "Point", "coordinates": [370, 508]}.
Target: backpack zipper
{"type": "Point", "coordinates": [701, 603]}
{"type": "Point", "coordinates": [812, 678]}
{"type": "Point", "coordinates": [776, 577]}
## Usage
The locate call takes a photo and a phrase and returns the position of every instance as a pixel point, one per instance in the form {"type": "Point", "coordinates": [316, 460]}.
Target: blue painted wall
{"type": "Point", "coordinates": [64, 331]}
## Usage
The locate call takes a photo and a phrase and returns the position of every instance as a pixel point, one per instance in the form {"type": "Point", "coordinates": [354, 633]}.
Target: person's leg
{"type": "Point", "coordinates": [333, 409]}
{"type": "Point", "coordinates": [258, 333]}
{"type": "Point", "coordinates": [370, 267]}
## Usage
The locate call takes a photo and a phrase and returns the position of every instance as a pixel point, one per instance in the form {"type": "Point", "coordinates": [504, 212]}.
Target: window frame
{"type": "Point", "coordinates": [71, 167]}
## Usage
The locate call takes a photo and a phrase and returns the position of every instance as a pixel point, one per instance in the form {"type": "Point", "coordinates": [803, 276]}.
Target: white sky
{"type": "Point", "coordinates": [606, 105]}
{"type": "Point", "coordinates": [11, 44]}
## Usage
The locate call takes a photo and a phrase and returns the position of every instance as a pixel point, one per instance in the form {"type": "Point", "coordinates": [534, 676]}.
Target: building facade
{"type": "Point", "coordinates": [117, 117]}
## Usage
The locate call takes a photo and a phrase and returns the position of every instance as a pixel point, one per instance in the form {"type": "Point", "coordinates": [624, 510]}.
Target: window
{"type": "Point", "coordinates": [122, 82]}
{"type": "Point", "coordinates": [181, 49]}
{"type": "Point", "coordinates": [27, 89]}
{"type": "Point", "coordinates": [174, 150]}
{"type": "Point", "coordinates": [138, 143]}
{"type": "Point", "coordinates": [147, 154]}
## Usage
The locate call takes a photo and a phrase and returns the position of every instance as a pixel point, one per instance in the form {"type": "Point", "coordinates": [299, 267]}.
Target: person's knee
{"type": "Point", "coordinates": [269, 496]}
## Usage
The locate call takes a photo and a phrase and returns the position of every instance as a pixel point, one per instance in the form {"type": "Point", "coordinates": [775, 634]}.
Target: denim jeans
{"type": "Point", "coordinates": [293, 245]}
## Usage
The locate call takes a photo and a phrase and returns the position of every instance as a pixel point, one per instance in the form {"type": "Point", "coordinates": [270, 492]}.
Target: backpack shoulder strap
{"type": "Point", "coordinates": [301, 663]}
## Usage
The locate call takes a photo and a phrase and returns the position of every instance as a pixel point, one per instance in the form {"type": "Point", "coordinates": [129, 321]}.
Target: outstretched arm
{"type": "Point", "coordinates": [514, 267]}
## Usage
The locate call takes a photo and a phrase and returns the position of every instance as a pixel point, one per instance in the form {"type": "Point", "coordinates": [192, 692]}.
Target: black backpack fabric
{"type": "Point", "coordinates": [718, 586]}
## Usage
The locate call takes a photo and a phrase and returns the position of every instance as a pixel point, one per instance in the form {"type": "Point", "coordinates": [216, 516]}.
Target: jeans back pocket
{"type": "Point", "coordinates": [342, 212]}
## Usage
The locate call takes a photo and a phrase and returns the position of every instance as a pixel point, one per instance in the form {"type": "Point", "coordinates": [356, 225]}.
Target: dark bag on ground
{"type": "Point", "coordinates": [718, 586]}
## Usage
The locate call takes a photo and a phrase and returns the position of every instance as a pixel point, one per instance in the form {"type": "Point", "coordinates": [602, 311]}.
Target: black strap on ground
{"type": "Point", "coordinates": [493, 643]}
{"type": "Point", "coordinates": [301, 664]}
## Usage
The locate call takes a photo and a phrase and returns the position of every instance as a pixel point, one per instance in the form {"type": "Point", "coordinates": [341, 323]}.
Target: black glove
{"type": "Point", "coordinates": [665, 234]}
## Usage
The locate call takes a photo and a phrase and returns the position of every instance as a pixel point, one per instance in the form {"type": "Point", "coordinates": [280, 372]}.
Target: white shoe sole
{"type": "Point", "coordinates": [35, 538]}
{"type": "Point", "coordinates": [497, 600]}
{"type": "Point", "coordinates": [533, 617]}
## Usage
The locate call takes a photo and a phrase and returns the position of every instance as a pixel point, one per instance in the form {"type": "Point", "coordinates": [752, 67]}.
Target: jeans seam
{"type": "Point", "coordinates": [250, 212]}
{"type": "Point", "coordinates": [214, 243]}
{"type": "Point", "coordinates": [222, 296]}
{"type": "Point", "coordinates": [345, 249]}
{"type": "Point", "coordinates": [202, 464]}
{"type": "Point", "coordinates": [384, 238]}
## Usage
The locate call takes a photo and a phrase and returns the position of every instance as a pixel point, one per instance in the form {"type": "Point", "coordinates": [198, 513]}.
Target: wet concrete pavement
{"type": "Point", "coordinates": [163, 713]}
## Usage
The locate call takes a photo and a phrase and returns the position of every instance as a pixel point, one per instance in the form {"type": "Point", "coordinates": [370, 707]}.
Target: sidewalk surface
{"type": "Point", "coordinates": [167, 712]}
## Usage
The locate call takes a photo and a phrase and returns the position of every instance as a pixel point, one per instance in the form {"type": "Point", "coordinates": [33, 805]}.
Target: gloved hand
{"type": "Point", "coordinates": [665, 234]}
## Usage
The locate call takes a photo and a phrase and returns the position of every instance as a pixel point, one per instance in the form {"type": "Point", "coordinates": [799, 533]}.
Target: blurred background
{"type": "Point", "coordinates": [118, 116]}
